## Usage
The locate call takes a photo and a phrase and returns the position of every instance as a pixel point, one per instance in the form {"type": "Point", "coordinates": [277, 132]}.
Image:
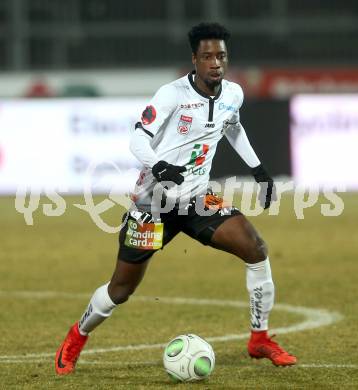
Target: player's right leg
{"type": "Point", "coordinates": [125, 279]}
{"type": "Point", "coordinates": [129, 271]}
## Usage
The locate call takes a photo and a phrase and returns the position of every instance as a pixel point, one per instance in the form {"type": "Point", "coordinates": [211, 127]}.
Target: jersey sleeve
{"type": "Point", "coordinates": [160, 107]}
{"type": "Point", "coordinates": [240, 96]}
{"type": "Point", "coordinates": [237, 137]}
{"type": "Point", "coordinates": [142, 150]}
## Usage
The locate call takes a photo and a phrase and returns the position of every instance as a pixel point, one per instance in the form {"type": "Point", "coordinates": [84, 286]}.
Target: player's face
{"type": "Point", "coordinates": [210, 62]}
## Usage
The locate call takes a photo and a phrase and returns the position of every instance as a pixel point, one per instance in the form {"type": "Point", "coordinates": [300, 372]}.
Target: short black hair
{"type": "Point", "coordinates": [206, 31]}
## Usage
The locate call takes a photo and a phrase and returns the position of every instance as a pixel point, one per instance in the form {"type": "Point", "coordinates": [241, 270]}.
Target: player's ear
{"type": "Point", "coordinates": [193, 58]}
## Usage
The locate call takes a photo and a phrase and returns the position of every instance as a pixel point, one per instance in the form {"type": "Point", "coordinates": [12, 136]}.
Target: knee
{"type": "Point", "coordinates": [120, 293]}
{"type": "Point", "coordinates": [256, 251]}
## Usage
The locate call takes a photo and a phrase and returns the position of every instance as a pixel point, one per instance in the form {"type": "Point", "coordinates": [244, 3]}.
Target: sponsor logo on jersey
{"type": "Point", "coordinates": [149, 115]}
{"type": "Point", "coordinates": [210, 125]}
{"type": "Point", "coordinates": [190, 106]}
{"type": "Point", "coordinates": [184, 124]}
{"type": "Point", "coordinates": [223, 106]}
{"type": "Point", "coordinates": [226, 124]}
{"type": "Point", "coordinates": [197, 159]}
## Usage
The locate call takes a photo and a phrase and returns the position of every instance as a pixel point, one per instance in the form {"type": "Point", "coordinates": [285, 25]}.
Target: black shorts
{"type": "Point", "coordinates": [199, 227]}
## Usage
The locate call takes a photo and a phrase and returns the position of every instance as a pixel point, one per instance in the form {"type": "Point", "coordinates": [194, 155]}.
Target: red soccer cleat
{"type": "Point", "coordinates": [69, 351]}
{"type": "Point", "coordinates": [261, 346]}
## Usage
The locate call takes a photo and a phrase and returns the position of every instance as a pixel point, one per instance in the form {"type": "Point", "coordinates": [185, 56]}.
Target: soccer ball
{"type": "Point", "coordinates": [188, 358]}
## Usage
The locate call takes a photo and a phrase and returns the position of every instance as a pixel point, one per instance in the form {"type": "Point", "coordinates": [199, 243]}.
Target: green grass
{"type": "Point", "coordinates": [314, 264]}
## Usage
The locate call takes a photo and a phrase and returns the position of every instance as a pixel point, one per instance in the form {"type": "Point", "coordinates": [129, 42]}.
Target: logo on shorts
{"type": "Point", "coordinates": [144, 236]}
{"type": "Point", "coordinates": [148, 115]}
{"type": "Point", "coordinates": [184, 124]}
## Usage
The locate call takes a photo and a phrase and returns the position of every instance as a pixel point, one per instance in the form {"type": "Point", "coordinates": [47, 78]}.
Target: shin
{"type": "Point", "coordinates": [99, 308]}
{"type": "Point", "coordinates": [261, 291]}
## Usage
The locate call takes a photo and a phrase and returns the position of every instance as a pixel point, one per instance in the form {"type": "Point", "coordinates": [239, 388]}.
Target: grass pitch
{"type": "Point", "coordinates": [48, 272]}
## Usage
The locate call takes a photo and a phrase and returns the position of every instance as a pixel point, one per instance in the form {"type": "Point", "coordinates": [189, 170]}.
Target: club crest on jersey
{"type": "Point", "coordinates": [184, 124]}
{"type": "Point", "coordinates": [148, 115]}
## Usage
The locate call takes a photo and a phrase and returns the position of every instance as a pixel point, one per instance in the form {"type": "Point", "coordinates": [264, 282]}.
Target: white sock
{"type": "Point", "coordinates": [100, 307]}
{"type": "Point", "coordinates": [261, 291]}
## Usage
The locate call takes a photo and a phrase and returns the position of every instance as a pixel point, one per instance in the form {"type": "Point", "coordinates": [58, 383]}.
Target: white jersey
{"type": "Point", "coordinates": [185, 126]}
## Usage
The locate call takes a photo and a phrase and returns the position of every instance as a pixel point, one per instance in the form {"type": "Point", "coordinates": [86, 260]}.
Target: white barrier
{"type": "Point", "coordinates": [49, 144]}
{"type": "Point", "coordinates": [324, 140]}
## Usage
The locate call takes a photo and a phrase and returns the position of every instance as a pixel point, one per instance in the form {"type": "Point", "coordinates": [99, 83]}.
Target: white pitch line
{"type": "Point", "coordinates": [158, 363]}
{"type": "Point", "coordinates": [86, 362]}
{"type": "Point", "coordinates": [328, 365]}
{"type": "Point", "coordinates": [314, 318]}
{"type": "Point", "coordinates": [41, 294]}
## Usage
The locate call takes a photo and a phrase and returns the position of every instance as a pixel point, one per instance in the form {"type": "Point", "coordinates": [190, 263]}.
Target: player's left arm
{"type": "Point", "coordinates": [238, 139]}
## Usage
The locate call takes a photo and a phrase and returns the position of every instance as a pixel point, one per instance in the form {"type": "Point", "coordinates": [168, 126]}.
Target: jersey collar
{"type": "Point", "coordinates": [191, 81]}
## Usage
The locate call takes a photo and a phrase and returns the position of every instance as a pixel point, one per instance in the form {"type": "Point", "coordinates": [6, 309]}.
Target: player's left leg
{"type": "Point", "coordinates": [237, 235]}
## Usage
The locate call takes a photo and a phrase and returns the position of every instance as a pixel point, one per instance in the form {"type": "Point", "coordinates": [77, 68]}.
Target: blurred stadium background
{"type": "Point", "coordinates": [74, 77]}
{"type": "Point", "coordinates": [108, 48]}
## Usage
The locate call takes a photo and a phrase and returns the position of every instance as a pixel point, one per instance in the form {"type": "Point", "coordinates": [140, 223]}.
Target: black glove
{"type": "Point", "coordinates": [164, 171]}
{"type": "Point", "coordinates": [267, 186]}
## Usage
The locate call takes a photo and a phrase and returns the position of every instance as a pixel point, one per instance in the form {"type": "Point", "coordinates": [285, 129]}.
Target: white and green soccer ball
{"type": "Point", "coordinates": [188, 358]}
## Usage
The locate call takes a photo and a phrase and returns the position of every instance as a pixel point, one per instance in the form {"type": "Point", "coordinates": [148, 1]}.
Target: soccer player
{"type": "Point", "coordinates": [176, 141]}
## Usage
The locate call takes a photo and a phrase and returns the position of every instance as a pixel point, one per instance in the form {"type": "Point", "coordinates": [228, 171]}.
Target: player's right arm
{"type": "Point", "coordinates": [159, 109]}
